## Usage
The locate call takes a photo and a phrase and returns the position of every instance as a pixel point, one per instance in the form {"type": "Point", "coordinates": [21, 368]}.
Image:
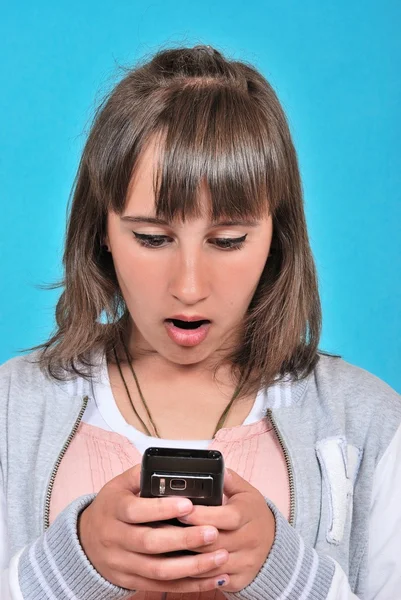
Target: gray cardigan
{"type": "Point", "coordinates": [340, 415]}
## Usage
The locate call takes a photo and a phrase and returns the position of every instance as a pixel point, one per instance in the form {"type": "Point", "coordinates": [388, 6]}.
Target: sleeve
{"type": "Point", "coordinates": [3, 532]}
{"type": "Point", "coordinates": [55, 565]}
{"type": "Point", "coordinates": [384, 556]}
{"type": "Point", "coordinates": [293, 570]}
{"type": "Point", "coordinates": [9, 588]}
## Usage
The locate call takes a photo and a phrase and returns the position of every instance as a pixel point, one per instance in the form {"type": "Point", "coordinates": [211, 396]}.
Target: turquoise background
{"type": "Point", "coordinates": [336, 69]}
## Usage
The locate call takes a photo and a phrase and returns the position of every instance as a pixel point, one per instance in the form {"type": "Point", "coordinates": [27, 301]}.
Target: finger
{"type": "Point", "coordinates": [183, 586]}
{"type": "Point", "coordinates": [131, 509]}
{"type": "Point", "coordinates": [231, 541]}
{"type": "Point", "coordinates": [235, 484]}
{"type": "Point", "coordinates": [163, 568]}
{"type": "Point", "coordinates": [148, 540]}
{"type": "Point", "coordinates": [228, 517]}
{"type": "Point", "coordinates": [234, 565]}
{"type": "Point", "coordinates": [129, 480]}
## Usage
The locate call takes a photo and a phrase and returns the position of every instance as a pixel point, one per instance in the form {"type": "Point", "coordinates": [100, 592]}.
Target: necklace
{"type": "Point", "coordinates": [156, 433]}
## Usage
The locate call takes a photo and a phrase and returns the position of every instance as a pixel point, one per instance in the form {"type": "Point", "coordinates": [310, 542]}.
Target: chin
{"type": "Point", "coordinates": [188, 356]}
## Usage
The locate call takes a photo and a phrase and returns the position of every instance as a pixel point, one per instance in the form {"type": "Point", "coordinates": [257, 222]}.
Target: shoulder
{"type": "Point", "coordinates": [362, 404]}
{"type": "Point", "coordinates": [340, 378]}
{"type": "Point", "coordinates": [19, 363]}
{"type": "Point", "coordinates": [22, 377]}
{"type": "Point", "coordinates": [23, 371]}
{"type": "Point", "coordinates": [34, 405]}
{"type": "Point", "coordinates": [20, 369]}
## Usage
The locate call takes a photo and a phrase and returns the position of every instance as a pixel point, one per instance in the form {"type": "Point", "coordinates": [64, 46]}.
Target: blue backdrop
{"type": "Point", "coordinates": [336, 69]}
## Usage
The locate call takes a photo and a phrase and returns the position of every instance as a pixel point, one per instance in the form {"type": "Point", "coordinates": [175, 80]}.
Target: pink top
{"type": "Point", "coordinates": [95, 456]}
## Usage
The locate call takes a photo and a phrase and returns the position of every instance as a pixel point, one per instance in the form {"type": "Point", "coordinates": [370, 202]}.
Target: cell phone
{"type": "Point", "coordinates": [194, 474]}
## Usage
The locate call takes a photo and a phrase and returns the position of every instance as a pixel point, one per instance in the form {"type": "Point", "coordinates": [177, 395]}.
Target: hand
{"type": "Point", "coordinates": [114, 534]}
{"type": "Point", "coordinates": [246, 529]}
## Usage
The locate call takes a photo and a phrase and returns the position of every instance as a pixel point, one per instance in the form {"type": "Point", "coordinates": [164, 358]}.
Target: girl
{"type": "Point", "coordinates": [190, 317]}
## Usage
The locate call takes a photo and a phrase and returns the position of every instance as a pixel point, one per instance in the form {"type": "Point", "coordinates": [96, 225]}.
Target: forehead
{"type": "Point", "coordinates": [141, 189]}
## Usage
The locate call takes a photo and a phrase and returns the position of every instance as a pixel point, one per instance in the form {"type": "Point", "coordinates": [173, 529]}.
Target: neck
{"type": "Point", "coordinates": [205, 401]}
{"type": "Point", "coordinates": [208, 371]}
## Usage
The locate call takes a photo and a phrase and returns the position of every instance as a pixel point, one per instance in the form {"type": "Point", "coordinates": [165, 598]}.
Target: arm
{"type": "Point", "coordinates": [384, 578]}
{"type": "Point", "coordinates": [9, 587]}
{"type": "Point", "coordinates": [293, 570]}
{"type": "Point", "coordinates": [54, 566]}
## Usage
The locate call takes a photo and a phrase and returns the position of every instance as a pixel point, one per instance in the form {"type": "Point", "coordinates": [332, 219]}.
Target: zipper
{"type": "Point", "coordinates": [59, 459]}
{"type": "Point", "coordinates": [290, 469]}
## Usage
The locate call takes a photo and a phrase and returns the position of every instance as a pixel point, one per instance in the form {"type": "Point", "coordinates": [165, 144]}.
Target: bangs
{"type": "Point", "coordinates": [216, 135]}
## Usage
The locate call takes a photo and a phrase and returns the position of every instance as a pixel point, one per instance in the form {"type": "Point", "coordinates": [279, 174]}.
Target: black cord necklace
{"type": "Point", "coordinates": [156, 433]}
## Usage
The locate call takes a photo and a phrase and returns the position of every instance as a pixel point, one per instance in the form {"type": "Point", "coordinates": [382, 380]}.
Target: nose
{"type": "Point", "coordinates": [189, 281]}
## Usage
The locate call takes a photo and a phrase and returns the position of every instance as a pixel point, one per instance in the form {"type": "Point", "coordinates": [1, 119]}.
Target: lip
{"type": "Point", "coordinates": [187, 337]}
{"type": "Point", "coordinates": [189, 318]}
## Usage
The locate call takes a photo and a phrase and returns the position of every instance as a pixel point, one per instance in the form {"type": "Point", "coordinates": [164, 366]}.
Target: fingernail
{"type": "Point", "coordinates": [220, 558]}
{"type": "Point", "coordinates": [209, 535]}
{"type": "Point", "coordinates": [221, 582]}
{"type": "Point", "coordinates": [184, 507]}
{"type": "Point", "coordinates": [184, 519]}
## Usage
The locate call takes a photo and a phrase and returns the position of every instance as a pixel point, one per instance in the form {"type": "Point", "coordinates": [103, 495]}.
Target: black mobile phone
{"type": "Point", "coordinates": [194, 474]}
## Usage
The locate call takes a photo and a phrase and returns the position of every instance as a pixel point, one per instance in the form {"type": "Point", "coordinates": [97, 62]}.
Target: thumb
{"type": "Point", "coordinates": [129, 480]}
{"type": "Point", "coordinates": [234, 483]}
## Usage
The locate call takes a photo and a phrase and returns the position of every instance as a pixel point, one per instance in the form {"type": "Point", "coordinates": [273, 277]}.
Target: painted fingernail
{"type": "Point", "coordinates": [184, 507]}
{"type": "Point", "coordinates": [220, 558]}
{"type": "Point", "coordinates": [221, 582]}
{"type": "Point", "coordinates": [209, 535]}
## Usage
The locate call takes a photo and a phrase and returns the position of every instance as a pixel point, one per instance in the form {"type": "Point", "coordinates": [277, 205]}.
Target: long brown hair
{"type": "Point", "coordinates": [221, 123]}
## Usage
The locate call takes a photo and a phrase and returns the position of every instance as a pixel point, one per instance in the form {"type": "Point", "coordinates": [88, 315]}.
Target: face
{"type": "Point", "coordinates": [173, 273]}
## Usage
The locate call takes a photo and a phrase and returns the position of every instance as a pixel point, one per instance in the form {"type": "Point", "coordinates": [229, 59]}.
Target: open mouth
{"type": "Point", "coordinates": [187, 324]}
{"type": "Point", "coordinates": [187, 332]}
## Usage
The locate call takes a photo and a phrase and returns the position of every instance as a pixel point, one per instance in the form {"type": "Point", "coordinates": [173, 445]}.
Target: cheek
{"type": "Point", "coordinates": [138, 277]}
{"type": "Point", "coordinates": [238, 281]}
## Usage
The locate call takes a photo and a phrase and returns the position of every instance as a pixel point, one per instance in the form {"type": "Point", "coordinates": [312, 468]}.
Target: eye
{"type": "Point", "coordinates": [229, 243]}
{"type": "Point", "coordinates": [151, 241]}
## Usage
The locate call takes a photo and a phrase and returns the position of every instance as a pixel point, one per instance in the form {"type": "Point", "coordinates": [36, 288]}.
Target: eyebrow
{"type": "Point", "coordinates": [157, 221]}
